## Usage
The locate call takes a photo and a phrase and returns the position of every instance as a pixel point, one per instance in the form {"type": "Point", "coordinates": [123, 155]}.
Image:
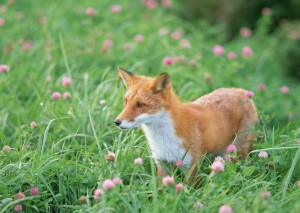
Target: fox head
{"type": "Point", "coordinates": [145, 99]}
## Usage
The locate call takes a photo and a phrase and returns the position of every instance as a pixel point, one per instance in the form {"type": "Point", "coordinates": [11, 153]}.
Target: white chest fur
{"type": "Point", "coordinates": [164, 143]}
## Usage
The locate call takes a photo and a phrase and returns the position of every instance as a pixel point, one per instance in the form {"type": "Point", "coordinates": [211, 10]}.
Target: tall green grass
{"type": "Point", "coordinates": [66, 158]}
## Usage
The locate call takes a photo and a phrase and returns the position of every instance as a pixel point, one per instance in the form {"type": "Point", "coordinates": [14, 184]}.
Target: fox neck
{"type": "Point", "coordinates": [173, 101]}
{"type": "Point", "coordinates": [163, 140]}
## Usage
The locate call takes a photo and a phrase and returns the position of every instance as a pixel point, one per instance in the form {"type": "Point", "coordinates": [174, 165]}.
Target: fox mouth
{"type": "Point", "coordinates": [133, 123]}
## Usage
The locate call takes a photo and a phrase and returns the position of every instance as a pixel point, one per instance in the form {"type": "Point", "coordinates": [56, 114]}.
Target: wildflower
{"type": "Point", "coordinates": [102, 102]}
{"type": "Point", "coordinates": [163, 31]}
{"type": "Point", "coordinates": [198, 204]}
{"type": "Point", "coordinates": [98, 193]}
{"type": "Point", "coordinates": [284, 89]}
{"type": "Point", "coordinates": [33, 124]}
{"type": "Point", "coordinates": [111, 157]}
{"type": "Point", "coordinates": [90, 11]}
{"type": "Point", "coordinates": [4, 68]}
{"type": "Point", "coordinates": [266, 11]}
{"type": "Point", "coordinates": [220, 159]}
{"type": "Point", "coordinates": [108, 184]}
{"type": "Point", "coordinates": [18, 208]}
{"type": "Point", "coordinates": [117, 180]}
{"type": "Point", "coordinates": [26, 46]}
{"type": "Point", "coordinates": [2, 22]}
{"type": "Point", "coordinates": [230, 158]}
{"type": "Point", "coordinates": [66, 81]}
{"type": "Point", "coordinates": [207, 77]}
{"type": "Point", "coordinates": [176, 35]}
{"type": "Point", "coordinates": [225, 209]}
{"type": "Point", "coordinates": [166, 3]}
{"type": "Point", "coordinates": [217, 167]}
{"type": "Point", "coordinates": [218, 50]}
{"type": "Point", "coordinates": [139, 38]}
{"type": "Point", "coordinates": [34, 191]}
{"type": "Point", "coordinates": [56, 95]}
{"type": "Point", "coordinates": [192, 62]}
{"type": "Point", "coordinates": [185, 43]}
{"type": "Point", "coordinates": [138, 161]}
{"type": "Point", "coordinates": [83, 200]}
{"type": "Point", "coordinates": [231, 148]}
{"type": "Point", "coordinates": [6, 148]}
{"type": "Point", "coordinates": [67, 95]}
{"type": "Point", "coordinates": [179, 187]}
{"type": "Point", "coordinates": [263, 154]}
{"type": "Point", "coordinates": [245, 32]}
{"type": "Point", "coordinates": [231, 55]}
{"type": "Point", "coordinates": [20, 195]}
{"type": "Point", "coordinates": [127, 47]}
{"type": "Point", "coordinates": [168, 61]}
{"type": "Point", "coordinates": [246, 52]}
{"type": "Point", "coordinates": [179, 163]}
{"type": "Point", "coordinates": [107, 43]}
{"type": "Point", "coordinates": [116, 9]}
{"type": "Point", "coordinates": [150, 4]}
{"type": "Point", "coordinates": [249, 94]}
{"type": "Point", "coordinates": [265, 195]}
{"type": "Point", "coordinates": [262, 87]}
{"type": "Point", "coordinates": [168, 180]}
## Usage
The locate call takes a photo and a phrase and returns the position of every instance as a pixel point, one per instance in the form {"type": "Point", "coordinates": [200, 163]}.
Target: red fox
{"type": "Point", "coordinates": [186, 131]}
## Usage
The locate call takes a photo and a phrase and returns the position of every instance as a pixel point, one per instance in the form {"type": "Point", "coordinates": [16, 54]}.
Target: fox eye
{"type": "Point", "coordinates": [125, 101]}
{"type": "Point", "coordinates": [139, 105]}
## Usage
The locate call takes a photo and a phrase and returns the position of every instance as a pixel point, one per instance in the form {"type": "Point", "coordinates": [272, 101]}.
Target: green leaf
{"type": "Point", "coordinates": [248, 170]}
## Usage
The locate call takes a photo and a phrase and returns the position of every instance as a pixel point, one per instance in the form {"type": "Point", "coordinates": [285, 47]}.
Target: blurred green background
{"type": "Point", "coordinates": [203, 45]}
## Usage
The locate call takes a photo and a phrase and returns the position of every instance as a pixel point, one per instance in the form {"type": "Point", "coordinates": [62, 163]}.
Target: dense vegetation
{"type": "Point", "coordinates": [60, 93]}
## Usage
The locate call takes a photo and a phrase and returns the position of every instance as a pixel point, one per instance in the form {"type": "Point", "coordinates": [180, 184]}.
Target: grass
{"type": "Point", "coordinates": [66, 158]}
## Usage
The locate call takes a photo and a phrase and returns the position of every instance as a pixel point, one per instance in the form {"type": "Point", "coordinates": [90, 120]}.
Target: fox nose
{"type": "Point", "coordinates": [118, 122]}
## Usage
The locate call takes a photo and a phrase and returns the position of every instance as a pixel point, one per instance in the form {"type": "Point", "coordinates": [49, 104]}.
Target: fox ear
{"type": "Point", "coordinates": [127, 77]}
{"type": "Point", "coordinates": [162, 82]}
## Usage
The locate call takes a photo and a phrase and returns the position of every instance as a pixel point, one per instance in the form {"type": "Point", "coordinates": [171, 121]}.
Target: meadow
{"type": "Point", "coordinates": [60, 93]}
